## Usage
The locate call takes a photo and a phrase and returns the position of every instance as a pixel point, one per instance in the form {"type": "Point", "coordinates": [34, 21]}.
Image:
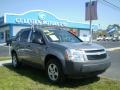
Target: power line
{"type": "Point", "coordinates": [113, 6]}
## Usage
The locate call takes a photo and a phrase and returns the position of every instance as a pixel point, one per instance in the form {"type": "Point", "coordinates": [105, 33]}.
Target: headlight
{"type": "Point", "coordinates": [74, 55]}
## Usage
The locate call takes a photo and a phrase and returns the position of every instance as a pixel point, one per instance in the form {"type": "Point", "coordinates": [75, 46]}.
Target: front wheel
{"type": "Point", "coordinates": [15, 61]}
{"type": "Point", "coordinates": [54, 71]}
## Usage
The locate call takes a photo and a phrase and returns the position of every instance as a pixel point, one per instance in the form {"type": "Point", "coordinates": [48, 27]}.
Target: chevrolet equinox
{"type": "Point", "coordinates": [59, 53]}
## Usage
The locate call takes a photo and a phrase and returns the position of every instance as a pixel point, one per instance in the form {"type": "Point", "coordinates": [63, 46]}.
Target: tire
{"type": "Point", "coordinates": [15, 61]}
{"type": "Point", "coordinates": [54, 71]}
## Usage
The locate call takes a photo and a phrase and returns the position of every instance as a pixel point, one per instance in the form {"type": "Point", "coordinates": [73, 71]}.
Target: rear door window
{"type": "Point", "coordinates": [24, 36]}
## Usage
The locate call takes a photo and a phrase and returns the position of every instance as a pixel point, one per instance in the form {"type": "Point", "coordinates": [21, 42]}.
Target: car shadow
{"type": "Point", "coordinates": [40, 76]}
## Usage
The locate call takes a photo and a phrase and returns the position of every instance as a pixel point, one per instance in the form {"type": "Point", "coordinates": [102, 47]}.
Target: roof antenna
{"type": "Point", "coordinates": [32, 27]}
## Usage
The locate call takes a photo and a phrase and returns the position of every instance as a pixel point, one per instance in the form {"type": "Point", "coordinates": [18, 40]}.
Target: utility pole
{"type": "Point", "coordinates": [91, 14]}
{"type": "Point", "coordinates": [91, 32]}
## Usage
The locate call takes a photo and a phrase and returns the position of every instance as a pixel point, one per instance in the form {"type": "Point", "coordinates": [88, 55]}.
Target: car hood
{"type": "Point", "coordinates": [82, 46]}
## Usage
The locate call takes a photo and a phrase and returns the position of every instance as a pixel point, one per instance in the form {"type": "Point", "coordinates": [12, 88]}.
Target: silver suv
{"type": "Point", "coordinates": [59, 53]}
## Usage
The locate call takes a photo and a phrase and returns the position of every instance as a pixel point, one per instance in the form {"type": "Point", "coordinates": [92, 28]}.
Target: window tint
{"type": "Point", "coordinates": [36, 35]}
{"type": "Point", "coordinates": [24, 36]}
{"type": "Point", "coordinates": [17, 37]}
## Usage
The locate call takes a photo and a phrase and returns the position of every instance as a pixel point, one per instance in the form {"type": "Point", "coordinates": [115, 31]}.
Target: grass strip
{"type": "Point", "coordinates": [28, 78]}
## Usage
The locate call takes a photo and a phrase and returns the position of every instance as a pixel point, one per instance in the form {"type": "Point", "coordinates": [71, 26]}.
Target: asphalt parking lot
{"type": "Point", "coordinates": [108, 44]}
{"type": "Point", "coordinates": [4, 51]}
{"type": "Point", "coordinates": [113, 71]}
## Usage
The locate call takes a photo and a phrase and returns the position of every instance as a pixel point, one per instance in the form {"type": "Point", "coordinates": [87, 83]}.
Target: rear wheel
{"type": "Point", "coordinates": [15, 61]}
{"type": "Point", "coordinates": [54, 71]}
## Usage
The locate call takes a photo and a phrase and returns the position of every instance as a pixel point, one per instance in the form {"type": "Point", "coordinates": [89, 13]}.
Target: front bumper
{"type": "Point", "coordinates": [89, 68]}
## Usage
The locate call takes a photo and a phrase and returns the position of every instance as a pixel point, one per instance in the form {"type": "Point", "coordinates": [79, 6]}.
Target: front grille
{"type": "Point", "coordinates": [94, 51]}
{"type": "Point", "coordinates": [96, 57]}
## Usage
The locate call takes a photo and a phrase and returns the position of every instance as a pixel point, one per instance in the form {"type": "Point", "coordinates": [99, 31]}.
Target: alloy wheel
{"type": "Point", "coordinates": [53, 72]}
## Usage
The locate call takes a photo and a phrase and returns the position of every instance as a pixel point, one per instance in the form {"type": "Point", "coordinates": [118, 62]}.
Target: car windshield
{"type": "Point", "coordinates": [61, 36]}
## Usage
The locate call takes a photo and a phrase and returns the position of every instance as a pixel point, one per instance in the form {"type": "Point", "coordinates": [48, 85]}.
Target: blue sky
{"type": "Point", "coordinates": [73, 10]}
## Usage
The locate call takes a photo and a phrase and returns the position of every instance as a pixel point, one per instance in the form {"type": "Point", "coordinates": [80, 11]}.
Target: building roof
{"type": "Point", "coordinates": [39, 17]}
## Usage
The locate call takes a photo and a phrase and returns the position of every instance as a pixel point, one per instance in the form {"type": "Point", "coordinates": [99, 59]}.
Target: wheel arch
{"type": "Point", "coordinates": [48, 57]}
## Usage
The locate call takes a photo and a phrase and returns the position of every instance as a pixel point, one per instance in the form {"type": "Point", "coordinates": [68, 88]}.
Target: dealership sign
{"type": "Point", "coordinates": [33, 18]}
{"type": "Point", "coordinates": [38, 17]}
{"type": "Point", "coordinates": [37, 22]}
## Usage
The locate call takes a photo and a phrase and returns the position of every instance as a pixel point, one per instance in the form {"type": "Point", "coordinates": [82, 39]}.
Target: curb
{"type": "Point", "coordinates": [113, 49]}
{"type": "Point", "coordinates": [5, 62]}
{"type": "Point", "coordinates": [2, 44]}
